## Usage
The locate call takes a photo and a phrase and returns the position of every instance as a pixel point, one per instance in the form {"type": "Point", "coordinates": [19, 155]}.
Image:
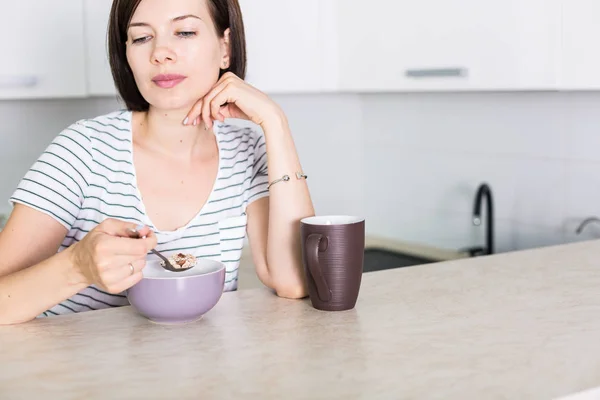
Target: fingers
{"type": "Point", "coordinates": [209, 107]}
{"type": "Point", "coordinates": [193, 116]}
{"type": "Point", "coordinates": [223, 97]}
{"type": "Point", "coordinates": [206, 113]}
{"type": "Point", "coordinates": [115, 227]}
{"type": "Point", "coordinates": [125, 284]}
{"type": "Point", "coordinates": [112, 246]}
{"type": "Point", "coordinates": [129, 282]}
{"type": "Point", "coordinates": [137, 233]}
{"type": "Point", "coordinates": [119, 238]}
{"type": "Point", "coordinates": [113, 278]}
{"type": "Point", "coordinates": [117, 262]}
{"type": "Point", "coordinates": [143, 231]}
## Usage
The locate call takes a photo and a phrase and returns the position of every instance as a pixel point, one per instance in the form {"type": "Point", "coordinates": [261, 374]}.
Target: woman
{"type": "Point", "coordinates": [168, 166]}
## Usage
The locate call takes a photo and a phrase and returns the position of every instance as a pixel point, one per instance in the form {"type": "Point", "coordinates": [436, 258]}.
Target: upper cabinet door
{"type": "Point", "coordinates": [580, 59]}
{"type": "Point", "coordinates": [284, 45]}
{"type": "Point", "coordinates": [99, 77]}
{"type": "Point", "coordinates": [44, 49]}
{"type": "Point", "coordinates": [448, 45]}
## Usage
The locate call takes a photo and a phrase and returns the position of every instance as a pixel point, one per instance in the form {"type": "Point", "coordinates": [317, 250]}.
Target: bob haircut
{"type": "Point", "coordinates": [225, 14]}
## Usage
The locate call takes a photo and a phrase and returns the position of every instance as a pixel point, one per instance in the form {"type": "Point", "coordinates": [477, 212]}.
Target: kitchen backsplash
{"type": "Point", "coordinates": [410, 163]}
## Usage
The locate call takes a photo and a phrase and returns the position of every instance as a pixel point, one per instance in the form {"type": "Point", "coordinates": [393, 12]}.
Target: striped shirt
{"type": "Point", "coordinates": [86, 175]}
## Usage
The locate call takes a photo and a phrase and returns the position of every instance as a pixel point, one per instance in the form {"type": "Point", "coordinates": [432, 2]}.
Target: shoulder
{"type": "Point", "coordinates": [114, 126]}
{"type": "Point", "coordinates": [88, 140]}
{"type": "Point", "coordinates": [118, 118]}
{"type": "Point", "coordinates": [85, 131]}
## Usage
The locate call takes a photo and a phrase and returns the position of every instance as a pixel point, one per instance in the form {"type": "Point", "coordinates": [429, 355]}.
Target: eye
{"type": "Point", "coordinates": [140, 40]}
{"type": "Point", "coordinates": [186, 34]}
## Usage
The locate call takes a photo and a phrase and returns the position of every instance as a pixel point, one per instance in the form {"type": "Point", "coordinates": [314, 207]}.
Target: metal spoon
{"type": "Point", "coordinates": [167, 264]}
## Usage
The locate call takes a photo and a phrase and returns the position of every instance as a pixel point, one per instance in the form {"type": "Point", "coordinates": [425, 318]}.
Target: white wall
{"type": "Point", "coordinates": [409, 162]}
{"type": "Point", "coordinates": [26, 129]}
{"type": "Point", "coordinates": [428, 153]}
{"type": "Point", "coordinates": [424, 156]}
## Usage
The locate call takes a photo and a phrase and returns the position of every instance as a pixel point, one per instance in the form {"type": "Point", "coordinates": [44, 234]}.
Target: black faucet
{"type": "Point", "coordinates": [484, 190]}
{"type": "Point", "coordinates": [585, 222]}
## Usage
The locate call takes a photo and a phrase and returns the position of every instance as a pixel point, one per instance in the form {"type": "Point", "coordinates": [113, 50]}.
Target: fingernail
{"type": "Point", "coordinates": [195, 122]}
{"type": "Point", "coordinates": [185, 121]}
{"type": "Point", "coordinates": [205, 127]}
{"type": "Point", "coordinates": [139, 227]}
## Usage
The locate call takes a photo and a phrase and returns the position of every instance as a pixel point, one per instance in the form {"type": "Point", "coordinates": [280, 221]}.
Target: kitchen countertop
{"type": "Point", "coordinates": [522, 325]}
{"type": "Point", "coordinates": [412, 248]}
{"type": "Point", "coordinates": [249, 280]}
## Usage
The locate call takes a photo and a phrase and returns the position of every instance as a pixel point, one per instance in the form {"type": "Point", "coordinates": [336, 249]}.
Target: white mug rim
{"type": "Point", "coordinates": [321, 220]}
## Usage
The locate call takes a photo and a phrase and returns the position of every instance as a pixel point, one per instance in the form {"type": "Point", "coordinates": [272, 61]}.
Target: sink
{"type": "Point", "coordinates": [377, 259]}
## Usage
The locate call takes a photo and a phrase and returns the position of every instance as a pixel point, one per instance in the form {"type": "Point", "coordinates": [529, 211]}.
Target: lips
{"type": "Point", "coordinates": [167, 81]}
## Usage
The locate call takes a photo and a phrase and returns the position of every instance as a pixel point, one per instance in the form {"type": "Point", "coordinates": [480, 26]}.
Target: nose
{"type": "Point", "coordinates": [163, 54]}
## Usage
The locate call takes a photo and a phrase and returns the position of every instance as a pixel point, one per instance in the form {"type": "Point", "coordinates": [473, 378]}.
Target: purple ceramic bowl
{"type": "Point", "coordinates": [167, 297]}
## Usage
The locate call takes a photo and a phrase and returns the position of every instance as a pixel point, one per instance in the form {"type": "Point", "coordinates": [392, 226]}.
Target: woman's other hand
{"type": "Point", "coordinates": [232, 97]}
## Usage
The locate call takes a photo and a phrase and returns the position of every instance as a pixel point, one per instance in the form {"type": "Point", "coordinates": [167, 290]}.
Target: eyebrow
{"type": "Point", "coordinates": [173, 20]}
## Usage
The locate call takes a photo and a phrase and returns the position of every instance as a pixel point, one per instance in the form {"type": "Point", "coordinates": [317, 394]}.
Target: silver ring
{"type": "Point", "coordinates": [132, 269]}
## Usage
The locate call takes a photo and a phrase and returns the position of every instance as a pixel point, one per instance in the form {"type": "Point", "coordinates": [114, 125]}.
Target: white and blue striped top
{"type": "Point", "coordinates": [86, 175]}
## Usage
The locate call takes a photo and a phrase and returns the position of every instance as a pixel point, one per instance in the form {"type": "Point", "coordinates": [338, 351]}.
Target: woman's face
{"type": "Point", "coordinates": [174, 52]}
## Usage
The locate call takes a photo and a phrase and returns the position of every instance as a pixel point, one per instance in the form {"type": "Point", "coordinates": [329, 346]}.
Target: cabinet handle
{"type": "Point", "coordinates": [17, 81]}
{"type": "Point", "coordinates": [437, 72]}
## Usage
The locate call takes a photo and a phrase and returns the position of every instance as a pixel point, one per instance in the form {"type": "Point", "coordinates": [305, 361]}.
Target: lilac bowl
{"type": "Point", "coordinates": [167, 297]}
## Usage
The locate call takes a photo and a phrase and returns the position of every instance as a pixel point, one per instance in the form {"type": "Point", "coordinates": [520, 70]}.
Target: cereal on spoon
{"type": "Point", "coordinates": [181, 261]}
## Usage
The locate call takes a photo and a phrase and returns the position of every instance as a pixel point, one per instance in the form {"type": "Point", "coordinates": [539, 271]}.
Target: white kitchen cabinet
{"type": "Point", "coordinates": [99, 78]}
{"type": "Point", "coordinates": [43, 46]}
{"type": "Point", "coordinates": [580, 58]}
{"type": "Point", "coordinates": [431, 45]}
{"type": "Point", "coordinates": [287, 45]}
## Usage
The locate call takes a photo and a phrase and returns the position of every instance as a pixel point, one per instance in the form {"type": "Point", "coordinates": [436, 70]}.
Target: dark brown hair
{"type": "Point", "coordinates": [225, 14]}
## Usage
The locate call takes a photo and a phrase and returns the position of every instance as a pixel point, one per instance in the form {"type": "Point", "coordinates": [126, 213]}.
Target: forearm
{"type": "Point", "coordinates": [289, 202]}
{"type": "Point", "coordinates": [27, 293]}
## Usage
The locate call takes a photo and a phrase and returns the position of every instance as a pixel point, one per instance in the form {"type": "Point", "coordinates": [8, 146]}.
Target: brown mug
{"type": "Point", "coordinates": [333, 254]}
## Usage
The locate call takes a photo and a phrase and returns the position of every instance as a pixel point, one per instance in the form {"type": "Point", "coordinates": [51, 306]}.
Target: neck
{"type": "Point", "coordinates": [164, 132]}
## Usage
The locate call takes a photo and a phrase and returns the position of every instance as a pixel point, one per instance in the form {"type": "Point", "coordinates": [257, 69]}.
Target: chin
{"type": "Point", "coordinates": [171, 102]}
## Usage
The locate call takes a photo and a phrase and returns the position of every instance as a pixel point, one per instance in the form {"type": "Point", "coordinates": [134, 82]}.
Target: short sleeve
{"type": "Point", "coordinates": [57, 181]}
{"type": "Point", "coordinates": [260, 172]}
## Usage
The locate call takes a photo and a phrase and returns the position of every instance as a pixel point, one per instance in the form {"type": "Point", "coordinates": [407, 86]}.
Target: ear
{"type": "Point", "coordinates": [225, 49]}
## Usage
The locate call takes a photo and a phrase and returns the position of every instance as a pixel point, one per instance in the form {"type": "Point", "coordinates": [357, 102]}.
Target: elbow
{"type": "Point", "coordinates": [291, 290]}
{"type": "Point", "coordinates": [289, 284]}
{"type": "Point", "coordinates": [13, 320]}
{"type": "Point", "coordinates": [10, 314]}
{"type": "Point", "coordinates": [288, 287]}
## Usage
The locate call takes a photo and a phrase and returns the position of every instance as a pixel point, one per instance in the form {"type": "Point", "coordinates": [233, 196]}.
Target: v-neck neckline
{"type": "Point", "coordinates": [148, 221]}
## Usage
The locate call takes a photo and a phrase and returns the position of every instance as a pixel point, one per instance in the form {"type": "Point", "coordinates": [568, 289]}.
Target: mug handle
{"type": "Point", "coordinates": [312, 257]}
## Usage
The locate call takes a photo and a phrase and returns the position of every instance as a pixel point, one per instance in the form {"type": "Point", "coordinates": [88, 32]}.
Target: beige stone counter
{"type": "Point", "coordinates": [249, 280]}
{"type": "Point", "coordinates": [416, 249]}
{"type": "Point", "coordinates": [522, 325]}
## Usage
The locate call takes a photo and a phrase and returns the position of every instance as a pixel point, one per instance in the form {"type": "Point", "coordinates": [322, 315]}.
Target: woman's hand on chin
{"type": "Point", "coordinates": [231, 97]}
